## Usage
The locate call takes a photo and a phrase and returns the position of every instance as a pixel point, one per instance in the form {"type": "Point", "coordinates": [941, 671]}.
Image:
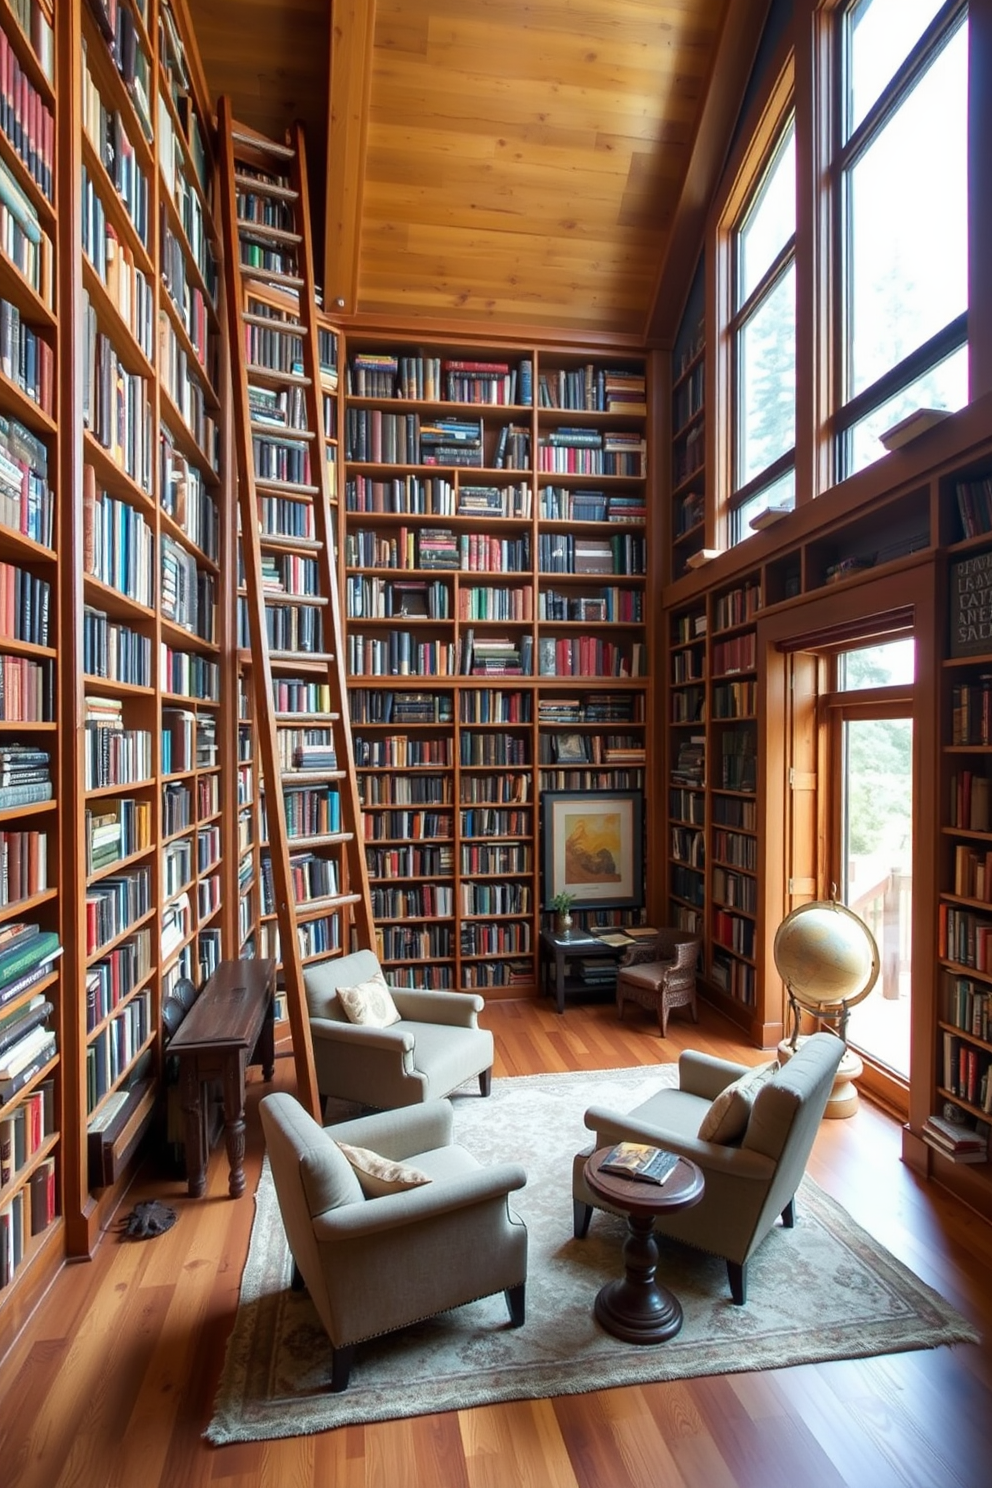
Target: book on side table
{"type": "Point", "coordinates": [638, 1161]}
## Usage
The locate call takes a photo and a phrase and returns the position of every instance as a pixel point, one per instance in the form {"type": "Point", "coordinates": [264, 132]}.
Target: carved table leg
{"type": "Point", "coordinates": [636, 1308]}
{"type": "Point", "coordinates": [191, 1096]}
{"type": "Point", "coordinates": [234, 1123]}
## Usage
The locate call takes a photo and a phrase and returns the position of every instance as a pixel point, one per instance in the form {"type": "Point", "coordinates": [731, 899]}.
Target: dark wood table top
{"type": "Point", "coordinates": [683, 1188]}
{"type": "Point", "coordinates": [230, 1008]}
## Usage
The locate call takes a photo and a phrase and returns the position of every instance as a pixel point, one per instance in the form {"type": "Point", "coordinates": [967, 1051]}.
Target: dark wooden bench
{"type": "Point", "coordinates": [230, 1026]}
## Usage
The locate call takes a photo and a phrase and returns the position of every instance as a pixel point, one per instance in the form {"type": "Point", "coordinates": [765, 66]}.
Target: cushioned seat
{"type": "Point", "coordinates": [753, 1157]}
{"type": "Point", "coordinates": [375, 1264]}
{"type": "Point", "coordinates": [435, 1046]}
{"type": "Point", "coordinates": [660, 974]}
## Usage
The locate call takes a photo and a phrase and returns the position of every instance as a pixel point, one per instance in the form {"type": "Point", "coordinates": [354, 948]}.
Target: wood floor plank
{"type": "Point", "coordinates": [113, 1384]}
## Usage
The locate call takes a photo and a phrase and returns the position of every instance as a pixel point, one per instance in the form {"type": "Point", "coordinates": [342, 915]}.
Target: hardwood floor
{"type": "Point", "coordinates": [113, 1384]}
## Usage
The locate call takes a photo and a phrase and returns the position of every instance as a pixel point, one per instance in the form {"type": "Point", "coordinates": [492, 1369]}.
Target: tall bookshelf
{"type": "Point", "coordinates": [494, 552]}
{"type": "Point", "coordinates": [35, 991]}
{"type": "Point", "coordinates": [712, 785]}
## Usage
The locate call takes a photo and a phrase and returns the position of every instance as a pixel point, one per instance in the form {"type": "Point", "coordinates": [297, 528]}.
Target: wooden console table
{"type": "Point", "coordinates": [230, 1025]}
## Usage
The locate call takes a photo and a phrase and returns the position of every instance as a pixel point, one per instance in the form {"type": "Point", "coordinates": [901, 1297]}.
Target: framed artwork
{"type": "Point", "coordinates": [593, 847]}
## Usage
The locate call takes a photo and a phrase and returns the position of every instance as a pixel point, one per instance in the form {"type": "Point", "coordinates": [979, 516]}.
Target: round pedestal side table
{"type": "Point", "coordinates": [637, 1308]}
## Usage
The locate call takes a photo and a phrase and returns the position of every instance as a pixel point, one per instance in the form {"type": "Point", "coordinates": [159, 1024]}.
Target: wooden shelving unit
{"type": "Point", "coordinates": [36, 1002]}
{"type": "Point", "coordinates": [494, 559]}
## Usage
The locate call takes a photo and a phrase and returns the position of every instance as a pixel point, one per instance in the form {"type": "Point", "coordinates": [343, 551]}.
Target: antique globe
{"type": "Point", "coordinates": [828, 959]}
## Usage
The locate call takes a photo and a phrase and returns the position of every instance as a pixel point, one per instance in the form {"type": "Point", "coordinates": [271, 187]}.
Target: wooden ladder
{"type": "Point", "coordinates": [314, 846]}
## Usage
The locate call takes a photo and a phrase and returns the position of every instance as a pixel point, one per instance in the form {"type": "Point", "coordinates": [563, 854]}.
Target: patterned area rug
{"type": "Point", "coordinates": [824, 1290]}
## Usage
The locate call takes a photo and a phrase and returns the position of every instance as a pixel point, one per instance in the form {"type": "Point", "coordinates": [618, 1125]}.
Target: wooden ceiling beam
{"type": "Point", "coordinates": [733, 62]}
{"type": "Point", "coordinates": [350, 73]}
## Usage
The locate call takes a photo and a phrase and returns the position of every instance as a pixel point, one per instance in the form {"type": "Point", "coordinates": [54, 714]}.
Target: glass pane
{"type": "Point", "coordinates": [766, 367]}
{"type": "Point", "coordinates": [908, 200]}
{"type": "Point", "coordinates": [771, 221]}
{"type": "Point", "coordinates": [878, 876]}
{"type": "Point", "coordinates": [943, 386]}
{"type": "Point", "coordinates": [881, 35]}
{"type": "Point", "coordinates": [781, 494]}
{"type": "Point", "coordinates": [885, 665]}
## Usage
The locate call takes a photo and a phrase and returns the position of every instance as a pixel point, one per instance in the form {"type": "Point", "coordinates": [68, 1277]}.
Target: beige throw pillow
{"type": "Point", "coordinates": [381, 1175]}
{"type": "Point", "coordinates": [728, 1116]}
{"type": "Point", "coordinates": [370, 1003]}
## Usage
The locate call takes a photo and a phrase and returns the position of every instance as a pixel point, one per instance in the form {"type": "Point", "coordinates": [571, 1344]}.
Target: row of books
{"type": "Point", "coordinates": [610, 604]}
{"type": "Point", "coordinates": [964, 938]}
{"type": "Point", "coordinates": [562, 504]}
{"type": "Point", "coordinates": [405, 790]}
{"type": "Point", "coordinates": [115, 903]}
{"type": "Point", "coordinates": [425, 901]}
{"type": "Point", "coordinates": [25, 118]}
{"type": "Point", "coordinates": [966, 1072]}
{"type": "Point", "coordinates": [28, 361]}
{"type": "Point", "coordinates": [23, 1132]}
{"type": "Point", "coordinates": [25, 498]}
{"type": "Point", "coordinates": [564, 552]}
{"type": "Point", "coordinates": [958, 1141]}
{"type": "Point", "coordinates": [974, 503]}
{"type": "Point", "coordinates": [432, 379]}
{"type": "Point", "coordinates": [30, 1211]}
{"type": "Point", "coordinates": [593, 389]}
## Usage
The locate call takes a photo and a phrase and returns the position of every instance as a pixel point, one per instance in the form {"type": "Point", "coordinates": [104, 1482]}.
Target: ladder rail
{"type": "Point", "coordinates": [237, 277]}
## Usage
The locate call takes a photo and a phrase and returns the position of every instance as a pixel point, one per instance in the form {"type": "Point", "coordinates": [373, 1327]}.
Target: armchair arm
{"type": "Point", "coordinates": [711, 1156]}
{"type": "Point", "coordinates": [705, 1075]}
{"type": "Point", "coordinates": [399, 1040]}
{"type": "Point", "coordinates": [401, 1133]}
{"type": "Point", "coordinates": [416, 1205]}
{"type": "Point", "coordinates": [457, 1009]}
{"type": "Point", "coordinates": [641, 952]}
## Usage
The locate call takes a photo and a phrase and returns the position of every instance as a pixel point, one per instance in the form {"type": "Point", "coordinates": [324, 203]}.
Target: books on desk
{"type": "Point", "coordinates": [640, 1162]}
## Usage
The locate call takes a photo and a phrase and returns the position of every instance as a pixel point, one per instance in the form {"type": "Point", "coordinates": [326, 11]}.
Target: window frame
{"type": "Point", "coordinates": [848, 411]}
{"type": "Point", "coordinates": [738, 198]}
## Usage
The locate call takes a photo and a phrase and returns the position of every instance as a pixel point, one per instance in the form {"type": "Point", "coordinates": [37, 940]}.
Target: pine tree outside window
{"type": "Point", "coordinates": [762, 334]}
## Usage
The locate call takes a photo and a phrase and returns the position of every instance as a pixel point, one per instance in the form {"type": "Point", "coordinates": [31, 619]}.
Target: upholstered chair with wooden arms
{"type": "Point", "coordinates": [434, 1046]}
{"type": "Point", "coordinates": [660, 974]}
{"type": "Point", "coordinates": [372, 1264]}
{"type": "Point", "coordinates": [750, 1131]}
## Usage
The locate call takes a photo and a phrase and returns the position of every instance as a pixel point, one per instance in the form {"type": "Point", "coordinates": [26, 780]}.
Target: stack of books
{"type": "Point", "coordinates": [961, 1144]}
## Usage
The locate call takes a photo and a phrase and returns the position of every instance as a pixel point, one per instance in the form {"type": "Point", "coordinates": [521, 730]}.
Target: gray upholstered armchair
{"type": "Point", "coordinates": [372, 1265]}
{"type": "Point", "coordinates": [436, 1046]}
{"type": "Point", "coordinates": [750, 1180]}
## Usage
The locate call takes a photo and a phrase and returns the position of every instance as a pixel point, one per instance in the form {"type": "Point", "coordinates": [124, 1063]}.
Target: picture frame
{"type": "Point", "coordinates": [593, 848]}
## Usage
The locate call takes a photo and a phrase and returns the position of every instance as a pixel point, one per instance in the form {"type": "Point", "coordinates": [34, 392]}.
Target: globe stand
{"type": "Point", "coordinates": [847, 970]}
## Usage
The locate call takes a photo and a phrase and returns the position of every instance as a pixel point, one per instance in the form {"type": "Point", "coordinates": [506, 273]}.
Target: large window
{"type": "Point", "coordinates": [902, 174]}
{"type": "Point", "coordinates": [763, 341]}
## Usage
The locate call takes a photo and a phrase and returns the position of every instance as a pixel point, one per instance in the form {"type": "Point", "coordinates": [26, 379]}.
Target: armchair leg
{"type": "Point", "coordinates": [737, 1276]}
{"type": "Point", "coordinates": [516, 1305]}
{"type": "Point", "coordinates": [486, 1081]}
{"type": "Point", "coordinates": [297, 1284]}
{"type": "Point", "coordinates": [341, 1362]}
{"type": "Point", "coordinates": [581, 1215]}
{"type": "Point", "coordinates": [789, 1214]}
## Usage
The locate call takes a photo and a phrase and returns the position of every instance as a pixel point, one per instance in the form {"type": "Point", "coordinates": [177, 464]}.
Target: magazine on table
{"type": "Point", "coordinates": [638, 1161]}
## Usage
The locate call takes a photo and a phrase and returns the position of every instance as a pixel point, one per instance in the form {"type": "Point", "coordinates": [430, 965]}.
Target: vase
{"type": "Point", "coordinates": [563, 925]}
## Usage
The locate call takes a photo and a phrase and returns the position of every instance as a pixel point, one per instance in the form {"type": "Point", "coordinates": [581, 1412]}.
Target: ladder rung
{"type": "Point", "coordinates": [282, 327]}
{"type": "Point", "coordinates": [289, 719]}
{"type": "Point", "coordinates": [305, 659]}
{"type": "Point", "coordinates": [249, 229]}
{"type": "Point", "coordinates": [285, 488]}
{"type": "Point", "coordinates": [272, 374]}
{"type": "Point", "coordinates": [278, 543]}
{"type": "Point", "coordinates": [242, 136]}
{"type": "Point", "coordinates": [280, 431]}
{"type": "Point", "coordinates": [304, 776]}
{"type": "Point", "coordinates": [271, 276]}
{"type": "Point", "coordinates": [266, 188]}
{"type": "Point", "coordinates": [309, 909]}
{"type": "Point", "coordinates": [281, 596]}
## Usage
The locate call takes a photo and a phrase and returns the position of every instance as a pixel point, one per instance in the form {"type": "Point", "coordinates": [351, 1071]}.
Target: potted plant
{"type": "Point", "coordinates": [562, 905]}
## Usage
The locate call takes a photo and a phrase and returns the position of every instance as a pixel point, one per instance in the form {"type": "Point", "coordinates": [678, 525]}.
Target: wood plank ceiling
{"type": "Point", "coordinates": [506, 167]}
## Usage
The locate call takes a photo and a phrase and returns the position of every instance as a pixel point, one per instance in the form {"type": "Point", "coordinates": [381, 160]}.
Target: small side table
{"type": "Point", "coordinates": [557, 949]}
{"type": "Point", "coordinates": [637, 1308]}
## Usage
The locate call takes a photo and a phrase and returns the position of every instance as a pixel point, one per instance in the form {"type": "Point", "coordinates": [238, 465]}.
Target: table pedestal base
{"type": "Point", "coordinates": [636, 1308]}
